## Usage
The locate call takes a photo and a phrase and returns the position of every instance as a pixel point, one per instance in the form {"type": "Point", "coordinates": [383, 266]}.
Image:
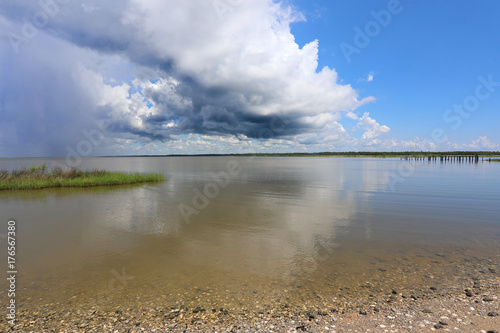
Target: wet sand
{"type": "Point", "coordinates": [441, 310]}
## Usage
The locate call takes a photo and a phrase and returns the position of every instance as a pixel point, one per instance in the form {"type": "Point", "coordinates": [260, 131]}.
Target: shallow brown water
{"type": "Point", "coordinates": [295, 231]}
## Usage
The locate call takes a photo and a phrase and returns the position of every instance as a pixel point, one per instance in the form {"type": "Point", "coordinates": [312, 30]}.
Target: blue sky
{"type": "Point", "coordinates": [148, 77]}
{"type": "Point", "coordinates": [427, 59]}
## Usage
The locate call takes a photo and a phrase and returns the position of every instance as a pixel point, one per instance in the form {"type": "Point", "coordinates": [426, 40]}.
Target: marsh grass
{"type": "Point", "coordinates": [37, 177]}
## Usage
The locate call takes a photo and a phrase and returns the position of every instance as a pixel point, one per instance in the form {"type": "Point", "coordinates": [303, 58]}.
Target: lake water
{"type": "Point", "coordinates": [249, 233]}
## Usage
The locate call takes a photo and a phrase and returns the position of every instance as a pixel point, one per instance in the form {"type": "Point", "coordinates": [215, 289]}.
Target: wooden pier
{"type": "Point", "coordinates": [447, 158]}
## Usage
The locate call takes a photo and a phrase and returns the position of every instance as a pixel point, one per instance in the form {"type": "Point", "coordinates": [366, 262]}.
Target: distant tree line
{"type": "Point", "coordinates": [351, 154]}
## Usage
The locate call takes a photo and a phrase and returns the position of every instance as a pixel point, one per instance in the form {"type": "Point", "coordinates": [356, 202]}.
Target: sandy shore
{"type": "Point", "coordinates": [475, 309]}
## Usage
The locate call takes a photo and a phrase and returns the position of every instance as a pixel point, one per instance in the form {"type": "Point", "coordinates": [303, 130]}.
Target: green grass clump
{"type": "Point", "coordinates": [495, 159]}
{"type": "Point", "coordinates": [37, 177]}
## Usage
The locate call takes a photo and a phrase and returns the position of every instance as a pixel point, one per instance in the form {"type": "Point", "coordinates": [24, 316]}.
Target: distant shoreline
{"type": "Point", "coordinates": [317, 154]}
{"type": "Point", "coordinates": [333, 154]}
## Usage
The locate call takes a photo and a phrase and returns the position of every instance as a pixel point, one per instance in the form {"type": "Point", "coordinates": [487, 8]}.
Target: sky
{"type": "Point", "coordinates": [155, 77]}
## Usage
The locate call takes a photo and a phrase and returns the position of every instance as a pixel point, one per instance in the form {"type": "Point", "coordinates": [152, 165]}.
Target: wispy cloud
{"type": "Point", "coordinates": [369, 78]}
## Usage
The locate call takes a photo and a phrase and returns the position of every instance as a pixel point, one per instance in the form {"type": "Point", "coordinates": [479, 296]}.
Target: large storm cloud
{"type": "Point", "coordinates": [155, 71]}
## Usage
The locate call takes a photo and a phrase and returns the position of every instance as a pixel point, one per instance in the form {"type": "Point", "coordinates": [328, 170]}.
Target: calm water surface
{"type": "Point", "coordinates": [271, 228]}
